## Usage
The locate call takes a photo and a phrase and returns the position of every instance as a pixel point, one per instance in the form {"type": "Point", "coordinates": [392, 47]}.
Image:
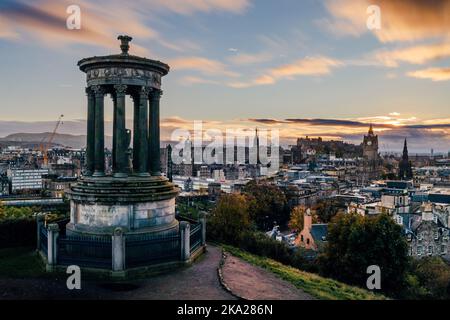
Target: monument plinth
{"type": "Point", "coordinates": [136, 197]}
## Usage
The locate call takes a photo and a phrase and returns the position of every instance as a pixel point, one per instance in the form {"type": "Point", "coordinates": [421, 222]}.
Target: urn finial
{"type": "Point", "coordinates": [124, 46]}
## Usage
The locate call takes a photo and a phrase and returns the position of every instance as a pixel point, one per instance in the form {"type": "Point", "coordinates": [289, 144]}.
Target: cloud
{"type": "Point", "coordinates": [353, 123]}
{"type": "Point", "coordinates": [401, 20]}
{"type": "Point", "coordinates": [203, 65]}
{"type": "Point", "coordinates": [435, 74]}
{"type": "Point", "coordinates": [309, 66]}
{"type": "Point", "coordinates": [191, 80]}
{"type": "Point", "coordinates": [414, 55]}
{"type": "Point", "coordinates": [246, 59]}
{"type": "Point", "coordinates": [322, 122]}
{"type": "Point", "coordinates": [44, 22]}
{"type": "Point", "coordinates": [422, 135]}
{"type": "Point", "coordinates": [188, 7]}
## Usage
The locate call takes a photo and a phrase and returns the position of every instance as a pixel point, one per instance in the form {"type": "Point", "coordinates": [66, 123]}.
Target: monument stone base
{"type": "Point", "coordinates": [138, 205]}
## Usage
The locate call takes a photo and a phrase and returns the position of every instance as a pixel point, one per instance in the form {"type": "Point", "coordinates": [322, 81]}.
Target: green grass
{"type": "Point", "coordinates": [21, 262]}
{"type": "Point", "coordinates": [315, 285]}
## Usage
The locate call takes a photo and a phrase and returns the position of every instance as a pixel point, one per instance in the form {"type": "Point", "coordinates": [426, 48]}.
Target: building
{"type": "Point", "coordinates": [313, 236]}
{"type": "Point", "coordinates": [4, 185]}
{"type": "Point", "coordinates": [370, 146]}
{"type": "Point", "coordinates": [371, 159]}
{"type": "Point", "coordinates": [428, 236]}
{"type": "Point", "coordinates": [56, 186]}
{"type": "Point", "coordinates": [26, 179]}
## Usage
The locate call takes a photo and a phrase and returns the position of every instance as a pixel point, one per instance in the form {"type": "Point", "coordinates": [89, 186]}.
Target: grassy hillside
{"type": "Point", "coordinates": [317, 286]}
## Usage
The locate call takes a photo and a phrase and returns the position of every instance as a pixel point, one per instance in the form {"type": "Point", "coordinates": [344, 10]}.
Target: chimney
{"type": "Point", "coordinates": [307, 220]}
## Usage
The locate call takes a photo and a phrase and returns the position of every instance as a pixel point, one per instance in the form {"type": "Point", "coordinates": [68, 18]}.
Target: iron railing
{"type": "Point", "coordinates": [43, 239]}
{"type": "Point", "coordinates": [196, 236]}
{"type": "Point", "coordinates": [148, 250]}
{"type": "Point", "coordinates": [85, 251]}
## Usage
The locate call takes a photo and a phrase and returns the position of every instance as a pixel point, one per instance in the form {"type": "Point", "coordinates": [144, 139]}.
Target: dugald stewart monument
{"type": "Point", "coordinates": [125, 219]}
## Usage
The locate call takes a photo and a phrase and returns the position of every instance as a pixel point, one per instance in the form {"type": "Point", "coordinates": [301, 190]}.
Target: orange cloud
{"type": "Point", "coordinates": [45, 20]}
{"type": "Point", "coordinates": [401, 20]}
{"type": "Point", "coordinates": [192, 6]}
{"type": "Point", "coordinates": [310, 66]}
{"type": "Point", "coordinates": [190, 80]}
{"type": "Point", "coordinates": [434, 74]}
{"type": "Point", "coordinates": [414, 55]}
{"type": "Point", "coordinates": [202, 65]}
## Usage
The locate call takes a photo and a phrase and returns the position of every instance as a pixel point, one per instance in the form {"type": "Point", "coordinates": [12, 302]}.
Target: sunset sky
{"type": "Point", "coordinates": [304, 67]}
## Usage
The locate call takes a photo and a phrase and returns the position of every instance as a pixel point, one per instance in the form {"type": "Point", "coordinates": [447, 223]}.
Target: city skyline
{"type": "Point", "coordinates": [315, 70]}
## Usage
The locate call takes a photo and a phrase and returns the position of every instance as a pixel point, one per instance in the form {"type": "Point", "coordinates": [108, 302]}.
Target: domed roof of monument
{"type": "Point", "coordinates": [123, 59]}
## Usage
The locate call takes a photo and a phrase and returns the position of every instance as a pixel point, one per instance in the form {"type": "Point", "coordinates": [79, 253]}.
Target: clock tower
{"type": "Point", "coordinates": [370, 146]}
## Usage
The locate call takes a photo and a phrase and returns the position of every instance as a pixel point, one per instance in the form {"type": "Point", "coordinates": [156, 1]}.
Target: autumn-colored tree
{"type": "Point", "coordinates": [267, 204]}
{"type": "Point", "coordinates": [229, 219]}
{"type": "Point", "coordinates": [297, 218]}
{"type": "Point", "coordinates": [327, 209]}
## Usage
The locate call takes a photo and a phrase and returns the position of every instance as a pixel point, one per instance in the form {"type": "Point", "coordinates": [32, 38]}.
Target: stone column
{"type": "Point", "coordinates": [118, 250]}
{"type": "Point", "coordinates": [52, 244]}
{"type": "Point", "coordinates": [185, 238]}
{"type": "Point", "coordinates": [39, 225]}
{"type": "Point", "coordinates": [135, 132]}
{"type": "Point", "coordinates": [155, 165]}
{"type": "Point", "coordinates": [120, 134]}
{"type": "Point", "coordinates": [90, 140]}
{"type": "Point", "coordinates": [114, 137]}
{"type": "Point", "coordinates": [142, 134]}
{"type": "Point", "coordinates": [99, 132]}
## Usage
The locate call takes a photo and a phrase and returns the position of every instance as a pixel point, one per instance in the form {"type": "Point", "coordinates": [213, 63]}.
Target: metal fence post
{"type": "Point", "coordinates": [203, 222]}
{"type": "Point", "coordinates": [52, 244]}
{"type": "Point", "coordinates": [118, 250]}
{"type": "Point", "coordinates": [185, 237]}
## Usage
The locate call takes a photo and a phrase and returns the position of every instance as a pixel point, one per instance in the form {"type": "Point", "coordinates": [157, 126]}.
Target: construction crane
{"type": "Point", "coordinates": [44, 146]}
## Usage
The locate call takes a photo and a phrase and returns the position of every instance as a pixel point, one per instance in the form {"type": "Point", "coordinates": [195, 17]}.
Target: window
{"type": "Point", "coordinates": [436, 235]}
{"type": "Point", "coordinates": [420, 236]}
{"type": "Point", "coordinates": [430, 250]}
{"type": "Point", "coordinates": [307, 241]}
{"type": "Point", "coordinates": [435, 218]}
{"type": "Point", "coordinates": [419, 250]}
{"type": "Point", "coordinates": [443, 249]}
{"type": "Point", "coordinates": [301, 238]}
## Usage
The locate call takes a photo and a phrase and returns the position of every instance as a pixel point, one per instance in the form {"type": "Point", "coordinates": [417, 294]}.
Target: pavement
{"type": "Point", "coordinates": [200, 281]}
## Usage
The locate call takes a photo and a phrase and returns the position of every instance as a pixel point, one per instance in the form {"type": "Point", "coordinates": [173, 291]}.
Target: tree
{"type": "Point", "coordinates": [229, 219]}
{"type": "Point", "coordinates": [356, 242]}
{"type": "Point", "coordinates": [429, 279]}
{"type": "Point", "coordinates": [327, 209]}
{"type": "Point", "coordinates": [297, 218]}
{"type": "Point", "coordinates": [267, 204]}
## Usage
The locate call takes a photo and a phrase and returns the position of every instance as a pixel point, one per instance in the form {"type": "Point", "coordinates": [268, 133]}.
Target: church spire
{"type": "Point", "coordinates": [371, 129]}
{"type": "Point", "coordinates": [405, 150]}
{"type": "Point", "coordinates": [405, 166]}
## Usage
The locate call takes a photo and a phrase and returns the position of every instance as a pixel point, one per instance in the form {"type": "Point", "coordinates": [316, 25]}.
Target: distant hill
{"type": "Point", "coordinates": [34, 139]}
